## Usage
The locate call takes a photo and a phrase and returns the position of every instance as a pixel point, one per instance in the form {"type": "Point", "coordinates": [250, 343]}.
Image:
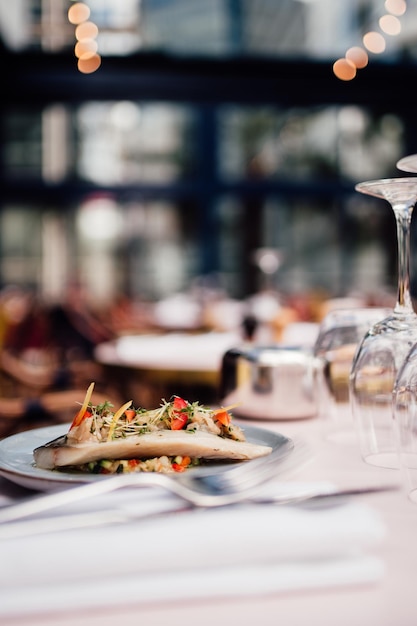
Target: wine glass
{"type": "Point", "coordinates": [385, 346]}
{"type": "Point", "coordinates": [405, 421]}
{"type": "Point", "coordinates": [408, 163]}
{"type": "Point", "coordinates": [339, 335]}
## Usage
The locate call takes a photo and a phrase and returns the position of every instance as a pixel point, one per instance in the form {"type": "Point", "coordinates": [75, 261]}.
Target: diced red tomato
{"type": "Point", "coordinates": [178, 468]}
{"type": "Point", "coordinates": [133, 462]}
{"type": "Point", "coordinates": [179, 421]}
{"type": "Point", "coordinates": [180, 403]}
{"type": "Point", "coordinates": [179, 416]}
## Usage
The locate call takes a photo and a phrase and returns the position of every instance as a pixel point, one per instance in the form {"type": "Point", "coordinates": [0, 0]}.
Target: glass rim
{"type": "Point", "coordinates": [408, 163]}
{"type": "Point", "coordinates": [402, 180]}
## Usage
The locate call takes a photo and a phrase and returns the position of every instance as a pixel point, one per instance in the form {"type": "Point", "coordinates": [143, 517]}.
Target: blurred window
{"type": "Point", "coordinates": [307, 144]}
{"type": "Point", "coordinates": [105, 143]}
{"type": "Point", "coordinates": [276, 180]}
{"type": "Point", "coordinates": [126, 142]}
{"type": "Point", "coordinates": [286, 28]}
{"type": "Point", "coordinates": [144, 196]}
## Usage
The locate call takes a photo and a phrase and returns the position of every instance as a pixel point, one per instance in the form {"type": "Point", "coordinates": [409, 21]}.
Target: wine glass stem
{"type": "Point", "coordinates": [403, 218]}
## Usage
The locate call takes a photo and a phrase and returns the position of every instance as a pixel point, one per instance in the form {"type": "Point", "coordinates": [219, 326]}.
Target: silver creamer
{"type": "Point", "coordinates": [271, 383]}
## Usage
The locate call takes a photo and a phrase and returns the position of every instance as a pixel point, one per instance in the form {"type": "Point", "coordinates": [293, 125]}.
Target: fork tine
{"type": "Point", "coordinates": [249, 474]}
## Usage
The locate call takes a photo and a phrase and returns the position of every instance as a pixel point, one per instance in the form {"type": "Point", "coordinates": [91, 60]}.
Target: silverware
{"type": "Point", "coordinates": [20, 527]}
{"type": "Point", "coordinates": [308, 495]}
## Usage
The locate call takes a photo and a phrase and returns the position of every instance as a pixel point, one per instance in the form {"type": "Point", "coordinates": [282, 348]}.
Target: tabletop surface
{"type": "Point", "coordinates": [384, 603]}
{"type": "Point", "coordinates": [172, 351]}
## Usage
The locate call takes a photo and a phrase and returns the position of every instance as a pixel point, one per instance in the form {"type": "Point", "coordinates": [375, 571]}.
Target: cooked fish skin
{"type": "Point", "coordinates": [200, 444]}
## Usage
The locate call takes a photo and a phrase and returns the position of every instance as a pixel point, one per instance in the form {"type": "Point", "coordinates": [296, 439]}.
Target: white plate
{"type": "Point", "coordinates": [17, 465]}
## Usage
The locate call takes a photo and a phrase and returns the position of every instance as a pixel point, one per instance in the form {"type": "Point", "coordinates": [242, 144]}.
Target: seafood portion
{"type": "Point", "coordinates": [170, 438]}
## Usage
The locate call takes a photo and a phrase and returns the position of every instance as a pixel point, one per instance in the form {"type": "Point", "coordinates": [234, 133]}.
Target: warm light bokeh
{"type": "Point", "coordinates": [87, 46]}
{"type": "Point", "coordinates": [78, 12]}
{"type": "Point", "coordinates": [86, 30]}
{"type": "Point", "coordinates": [344, 69]}
{"type": "Point", "coordinates": [396, 7]}
{"type": "Point", "coordinates": [390, 25]}
{"type": "Point", "coordinates": [90, 64]}
{"type": "Point", "coordinates": [374, 42]}
{"type": "Point", "coordinates": [358, 56]}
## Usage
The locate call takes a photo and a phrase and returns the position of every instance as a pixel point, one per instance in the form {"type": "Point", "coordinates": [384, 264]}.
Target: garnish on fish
{"type": "Point", "coordinates": [170, 438]}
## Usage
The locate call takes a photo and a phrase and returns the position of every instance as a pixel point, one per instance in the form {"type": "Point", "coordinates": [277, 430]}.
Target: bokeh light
{"type": "Point", "coordinates": [86, 46]}
{"type": "Point", "coordinates": [344, 69]}
{"type": "Point", "coordinates": [396, 7]}
{"type": "Point", "coordinates": [86, 30]}
{"type": "Point", "coordinates": [358, 56]}
{"type": "Point", "coordinates": [78, 12]}
{"type": "Point", "coordinates": [374, 42]}
{"type": "Point", "coordinates": [390, 25]}
{"type": "Point", "coordinates": [89, 64]}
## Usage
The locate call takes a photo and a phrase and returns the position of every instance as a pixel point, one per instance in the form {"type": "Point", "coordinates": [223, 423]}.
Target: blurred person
{"type": "Point", "coordinates": [53, 346]}
{"type": "Point", "coordinates": [46, 361]}
{"type": "Point", "coordinates": [18, 414]}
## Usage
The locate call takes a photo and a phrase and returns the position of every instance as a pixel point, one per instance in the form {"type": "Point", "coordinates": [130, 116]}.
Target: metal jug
{"type": "Point", "coordinates": [271, 383]}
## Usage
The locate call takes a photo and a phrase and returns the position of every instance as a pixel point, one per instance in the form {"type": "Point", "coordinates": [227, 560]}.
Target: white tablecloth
{"type": "Point", "coordinates": [352, 563]}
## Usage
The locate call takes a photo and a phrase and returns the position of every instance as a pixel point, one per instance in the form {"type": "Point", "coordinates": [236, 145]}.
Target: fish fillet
{"type": "Point", "coordinates": [200, 444]}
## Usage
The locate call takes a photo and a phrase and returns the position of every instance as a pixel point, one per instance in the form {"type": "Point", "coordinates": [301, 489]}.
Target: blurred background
{"type": "Point", "coordinates": [210, 130]}
{"type": "Point", "coordinates": [200, 149]}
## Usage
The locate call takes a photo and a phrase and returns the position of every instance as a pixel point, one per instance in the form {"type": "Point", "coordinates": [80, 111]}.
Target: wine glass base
{"type": "Point", "coordinates": [388, 460]}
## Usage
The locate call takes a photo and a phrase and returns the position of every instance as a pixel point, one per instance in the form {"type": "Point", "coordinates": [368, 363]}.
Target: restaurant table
{"type": "Point", "coordinates": [147, 367]}
{"type": "Point", "coordinates": [154, 366]}
{"type": "Point", "coordinates": [385, 602]}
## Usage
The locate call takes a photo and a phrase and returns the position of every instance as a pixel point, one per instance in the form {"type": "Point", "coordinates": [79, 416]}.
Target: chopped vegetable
{"type": "Point", "coordinates": [130, 414]}
{"type": "Point", "coordinates": [105, 425]}
{"type": "Point", "coordinates": [179, 414]}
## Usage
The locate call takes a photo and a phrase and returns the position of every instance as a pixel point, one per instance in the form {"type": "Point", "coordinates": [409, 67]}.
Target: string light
{"type": "Point", "coordinates": [78, 12]}
{"type": "Point", "coordinates": [356, 57]}
{"type": "Point", "coordinates": [89, 64]}
{"type": "Point", "coordinates": [85, 47]}
{"type": "Point", "coordinates": [396, 7]}
{"type": "Point", "coordinates": [344, 69]}
{"type": "Point", "coordinates": [86, 30]}
{"type": "Point", "coordinates": [390, 25]}
{"type": "Point", "coordinates": [86, 33]}
{"type": "Point", "coordinates": [374, 42]}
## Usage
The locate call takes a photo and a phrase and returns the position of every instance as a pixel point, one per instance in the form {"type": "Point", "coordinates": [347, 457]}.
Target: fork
{"type": "Point", "coordinates": [212, 489]}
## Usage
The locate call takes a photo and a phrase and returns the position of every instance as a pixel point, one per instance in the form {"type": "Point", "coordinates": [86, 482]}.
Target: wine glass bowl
{"type": "Point", "coordinates": [408, 163]}
{"type": "Point", "coordinates": [386, 345]}
{"type": "Point", "coordinates": [405, 421]}
{"type": "Point", "coordinates": [339, 334]}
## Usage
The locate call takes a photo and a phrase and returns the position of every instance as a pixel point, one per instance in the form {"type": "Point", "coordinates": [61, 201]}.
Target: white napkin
{"type": "Point", "coordinates": [230, 551]}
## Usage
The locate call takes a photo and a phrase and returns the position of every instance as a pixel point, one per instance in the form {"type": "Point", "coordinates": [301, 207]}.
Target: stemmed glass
{"type": "Point", "coordinates": [408, 163]}
{"type": "Point", "coordinates": [405, 395]}
{"type": "Point", "coordinates": [386, 345]}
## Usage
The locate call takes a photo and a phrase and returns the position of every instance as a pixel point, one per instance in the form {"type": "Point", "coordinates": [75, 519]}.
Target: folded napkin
{"type": "Point", "coordinates": [230, 551]}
